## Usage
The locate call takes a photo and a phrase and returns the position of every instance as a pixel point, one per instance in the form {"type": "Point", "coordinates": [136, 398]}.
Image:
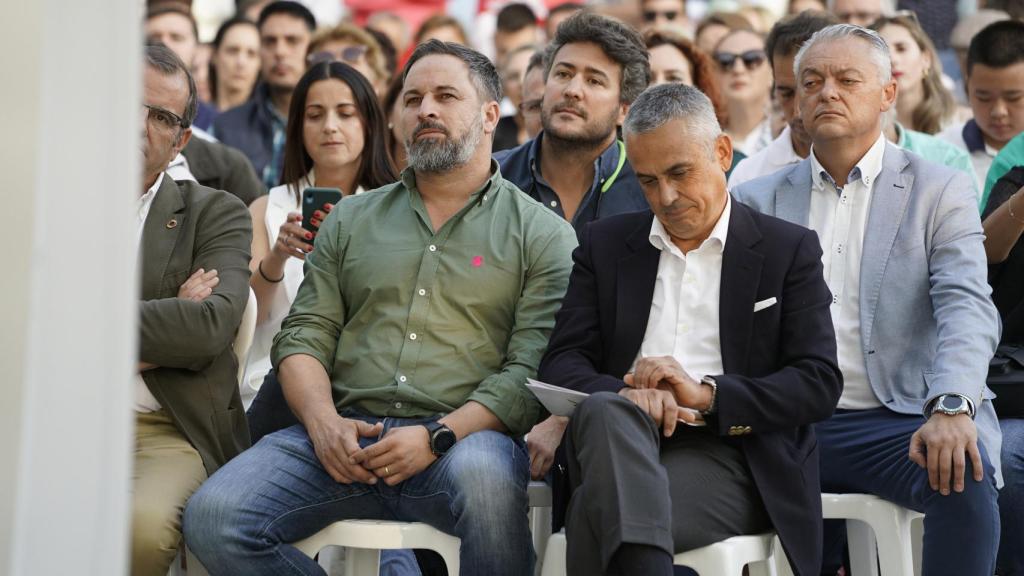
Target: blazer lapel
{"type": "Point", "coordinates": [160, 235]}
{"type": "Point", "coordinates": [793, 199]}
{"type": "Point", "coordinates": [637, 273]}
{"type": "Point", "coordinates": [741, 275]}
{"type": "Point", "coordinates": [888, 204]}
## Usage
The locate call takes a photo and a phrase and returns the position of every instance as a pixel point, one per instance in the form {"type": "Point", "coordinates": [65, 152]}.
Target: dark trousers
{"type": "Point", "coordinates": [631, 486]}
{"type": "Point", "coordinates": [866, 451]}
{"type": "Point", "coordinates": [269, 412]}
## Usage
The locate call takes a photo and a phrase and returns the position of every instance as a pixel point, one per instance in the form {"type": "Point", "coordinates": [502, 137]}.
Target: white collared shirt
{"type": "Point", "coordinates": [683, 321]}
{"type": "Point", "coordinates": [776, 156]}
{"type": "Point", "coordinates": [144, 400]}
{"type": "Point", "coordinates": [757, 140]}
{"type": "Point", "coordinates": [839, 216]}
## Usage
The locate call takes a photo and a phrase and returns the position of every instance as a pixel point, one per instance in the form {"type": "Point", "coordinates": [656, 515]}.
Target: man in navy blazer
{"type": "Point", "coordinates": [915, 323]}
{"type": "Point", "coordinates": [702, 312]}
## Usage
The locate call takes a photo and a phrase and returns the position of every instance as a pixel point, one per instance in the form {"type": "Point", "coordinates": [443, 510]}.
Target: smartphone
{"type": "Point", "coordinates": [313, 199]}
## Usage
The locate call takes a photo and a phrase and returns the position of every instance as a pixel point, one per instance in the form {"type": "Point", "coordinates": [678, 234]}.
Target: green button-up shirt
{"type": "Point", "coordinates": [412, 323]}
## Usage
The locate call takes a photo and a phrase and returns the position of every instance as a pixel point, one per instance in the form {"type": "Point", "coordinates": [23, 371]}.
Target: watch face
{"type": "Point", "coordinates": [952, 403]}
{"type": "Point", "coordinates": [444, 439]}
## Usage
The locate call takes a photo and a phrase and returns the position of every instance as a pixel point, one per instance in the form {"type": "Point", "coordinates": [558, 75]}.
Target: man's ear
{"type": "Point", "coordinates": [492, 114]}
{"type": "Point", "coordinates": [623, 110]}
{"type": "Point", "coordinates": [723, 151]}
{"type": "Point", "coordinates": [183, 139]}
{"type": "Point", "coordinates": [889, 95]}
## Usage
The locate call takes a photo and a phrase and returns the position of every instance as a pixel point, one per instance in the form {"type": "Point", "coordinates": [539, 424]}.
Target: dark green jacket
{"type": "Point", "coordinates": [189, 227]}
{"type": "Point", "coordinates": [221, 167]}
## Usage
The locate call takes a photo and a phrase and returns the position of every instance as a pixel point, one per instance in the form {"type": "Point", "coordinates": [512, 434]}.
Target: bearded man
{"type": "Point", "coordinates": [425, 305]}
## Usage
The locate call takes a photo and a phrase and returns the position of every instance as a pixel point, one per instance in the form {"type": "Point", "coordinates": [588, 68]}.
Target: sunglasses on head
{"type": "Point", "coordinates": [348, 54]}
{"type": "Point", "coordinates": [752, 59]}
{"type": "Point", "coordinates": [652, 15]}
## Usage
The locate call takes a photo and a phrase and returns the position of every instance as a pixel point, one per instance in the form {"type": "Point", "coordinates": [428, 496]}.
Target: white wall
{"type": "Point", "coordinates": [69, 162]}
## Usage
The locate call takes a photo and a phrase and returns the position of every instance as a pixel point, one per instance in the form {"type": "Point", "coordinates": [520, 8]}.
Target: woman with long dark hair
{"type": "Point", "coordinates": [234, 65]}
{"type": "Point", "coordinates": [335, 139]}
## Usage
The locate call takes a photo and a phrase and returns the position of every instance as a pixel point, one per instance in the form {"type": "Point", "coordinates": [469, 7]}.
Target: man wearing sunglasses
{"type": "Point", "coordinates": [193, 254]}
{"type": "Point", "coordinates": [665, 14]}
{"type": "Point", "coordinates": [915, 324]}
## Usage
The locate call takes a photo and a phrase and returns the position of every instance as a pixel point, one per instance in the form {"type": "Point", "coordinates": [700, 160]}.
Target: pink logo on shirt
{"type": "Point", "coordinates": [478, 261]}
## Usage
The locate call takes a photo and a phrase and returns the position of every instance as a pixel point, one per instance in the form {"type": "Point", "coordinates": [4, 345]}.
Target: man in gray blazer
{"type": "Point", "coordinates": [915, 326]}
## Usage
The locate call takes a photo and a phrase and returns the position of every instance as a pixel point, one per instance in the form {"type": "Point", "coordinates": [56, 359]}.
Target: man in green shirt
{"type": "Point", "coordinates": [425, 306]}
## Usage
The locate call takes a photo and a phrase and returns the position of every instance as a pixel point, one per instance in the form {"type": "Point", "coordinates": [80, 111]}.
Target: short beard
{"type": "Point", "coordinates": [430, 156]}
{"type": "Point", "coordinates": [589, 139]}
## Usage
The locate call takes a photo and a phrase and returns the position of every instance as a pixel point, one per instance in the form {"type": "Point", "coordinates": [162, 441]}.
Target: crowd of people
{"type": "Point", "coordinates": [780, 252]}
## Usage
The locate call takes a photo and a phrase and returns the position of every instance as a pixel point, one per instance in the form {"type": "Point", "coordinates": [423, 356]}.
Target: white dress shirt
{"type": "Point", "coordinates": [683, 322]}
{"type": "Point", "coordinates": [757, 140]}
{"type": "Point", "coordinates": [840, 216]}
{"type": "Point", "coordinates": [775, 156]}
{"type": "Point", "coordinates": [144, 400]}
{"type": "Point", "coordinates": [981, 158]}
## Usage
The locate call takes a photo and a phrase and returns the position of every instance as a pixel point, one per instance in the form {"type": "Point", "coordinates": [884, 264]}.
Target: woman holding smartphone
{"type": "Point", "coordinates": [335, 139]}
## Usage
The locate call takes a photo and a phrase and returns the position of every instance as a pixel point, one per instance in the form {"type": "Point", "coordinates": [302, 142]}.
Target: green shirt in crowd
{"type": "Point", "coordinates": [936, 150]}
{"type": "Point", "coordinates": [1011, 156]}
{"type": "Point", "coordinates": [412, 323]}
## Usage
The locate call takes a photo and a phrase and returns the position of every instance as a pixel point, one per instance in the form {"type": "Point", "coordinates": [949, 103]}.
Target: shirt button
{"type": "Point", "coordinates": [402, 378]}
{"type": "Point", "coordinates": [835, 299]}
{"type": "Point", "coordinates": [422, 292]}
{"type": "Point", "coordinates": [412, 336]}
{"type": "Point", "coordinates": [433, 248]}
{"type": "Point", "coordinates": [554, 204]}
{"type": "Point", "coordinates": [398, 405]}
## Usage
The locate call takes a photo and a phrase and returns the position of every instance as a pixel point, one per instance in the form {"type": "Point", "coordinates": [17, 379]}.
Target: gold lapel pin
{"type": "Point", "coordinates": [172, 223]}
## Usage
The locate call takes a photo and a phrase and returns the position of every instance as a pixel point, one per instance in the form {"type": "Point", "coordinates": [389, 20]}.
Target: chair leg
{"type": "Point", "coordinates": [863, 551]}
{"type": "Point", "coordinates": [362, 562]}
{"type": "Point", "coordinates": [540, 528]}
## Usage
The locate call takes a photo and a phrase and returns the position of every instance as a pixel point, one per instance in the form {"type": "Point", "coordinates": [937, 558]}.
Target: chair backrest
{"type": "Point", "coordinates": [244, 336]}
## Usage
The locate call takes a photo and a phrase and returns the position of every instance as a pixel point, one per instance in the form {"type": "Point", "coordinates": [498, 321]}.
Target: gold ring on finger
{"type": "Point", "coordinates": [387, 472]}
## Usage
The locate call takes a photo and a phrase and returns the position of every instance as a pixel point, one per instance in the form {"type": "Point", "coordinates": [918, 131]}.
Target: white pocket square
{"type": "Point", "coordinates": [758, 306]}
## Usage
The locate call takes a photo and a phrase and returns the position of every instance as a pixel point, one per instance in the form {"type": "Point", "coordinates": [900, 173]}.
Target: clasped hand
{"type": "Point", "coordinates": [662, 388]}
{"type": "Point", "coordinates": [402, 453]}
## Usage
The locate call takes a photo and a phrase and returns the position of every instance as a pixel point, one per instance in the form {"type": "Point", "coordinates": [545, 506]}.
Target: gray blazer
{"type": "Point", "coordinates": [928, 325]}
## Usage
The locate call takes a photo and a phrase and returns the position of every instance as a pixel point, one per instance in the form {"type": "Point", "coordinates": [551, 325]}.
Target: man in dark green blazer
{"type": "Point", "coordinates": [193, 254]}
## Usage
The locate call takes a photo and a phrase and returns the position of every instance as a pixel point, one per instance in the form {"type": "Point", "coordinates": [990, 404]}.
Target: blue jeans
{"type": "Point", "coordinates": [866, 451]}
{"type": "Point", "coordinates": [243, 518]}
{"type": "Point", "coordinates": [1011, 499]}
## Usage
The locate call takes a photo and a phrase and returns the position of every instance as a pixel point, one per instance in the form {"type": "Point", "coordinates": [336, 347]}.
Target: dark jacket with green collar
{"type": "Point", "coordinates": [190, 227]}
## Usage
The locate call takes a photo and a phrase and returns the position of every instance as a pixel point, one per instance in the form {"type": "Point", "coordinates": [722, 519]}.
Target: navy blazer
{"type": "Point", "coordinates": [781, 373]}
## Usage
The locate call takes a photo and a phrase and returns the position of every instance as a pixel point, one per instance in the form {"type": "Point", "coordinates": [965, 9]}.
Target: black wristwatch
{"type": "Point", "coordinates": [441, 438]}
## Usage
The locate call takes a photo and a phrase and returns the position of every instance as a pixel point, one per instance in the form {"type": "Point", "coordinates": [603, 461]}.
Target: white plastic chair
{"type": "Point", "coordinates": [244, 335]}
{"type": "Point", "coordinates": [878, 532]}
{"type": "Point", "coordinates": [364, 539]}
{"type": "Point", "coordinates": [725, 558]}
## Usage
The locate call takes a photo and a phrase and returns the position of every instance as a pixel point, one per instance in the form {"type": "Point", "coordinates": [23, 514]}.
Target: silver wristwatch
{"type": "Point", "coordinates": [952, 404]}
{"type": "Point", "coordinates": [709, 381]}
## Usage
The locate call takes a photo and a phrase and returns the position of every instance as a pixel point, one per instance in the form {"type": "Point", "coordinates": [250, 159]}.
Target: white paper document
{"type": "Point", "coordinates": [557, 400]}
{"type": "Point", "coordinates": [562, 401]}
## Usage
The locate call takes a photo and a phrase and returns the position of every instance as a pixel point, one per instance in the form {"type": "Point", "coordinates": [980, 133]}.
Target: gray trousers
{"type": "Point", "coordinates": [631, 485]}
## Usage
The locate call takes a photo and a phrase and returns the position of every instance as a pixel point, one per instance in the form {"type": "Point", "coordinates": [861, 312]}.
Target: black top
{"type": "Point", "coordinates": [1007, 277]}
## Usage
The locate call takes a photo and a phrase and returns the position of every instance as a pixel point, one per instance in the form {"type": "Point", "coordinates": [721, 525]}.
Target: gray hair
{"type": "Point", "coordinates": [657, 105]}
{"type": "Point", "coordinates": [879, 50]}
{"type": "Point", "coordinates": [165, 61]}
{"type": "Point", "coordinates": [887, 6]}
{"type": "Point", "coordinates": [482, 72]}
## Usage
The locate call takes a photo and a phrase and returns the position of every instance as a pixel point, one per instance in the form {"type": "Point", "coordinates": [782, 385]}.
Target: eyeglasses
{"type": "Point", "coordinates": [652, 15]}
{"type": "Point", "coordinates": [348, 54]}
{"type": "Point", "coordinates": [752, 59]}
{"type": "Point", "coordinates": [163, 118]}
